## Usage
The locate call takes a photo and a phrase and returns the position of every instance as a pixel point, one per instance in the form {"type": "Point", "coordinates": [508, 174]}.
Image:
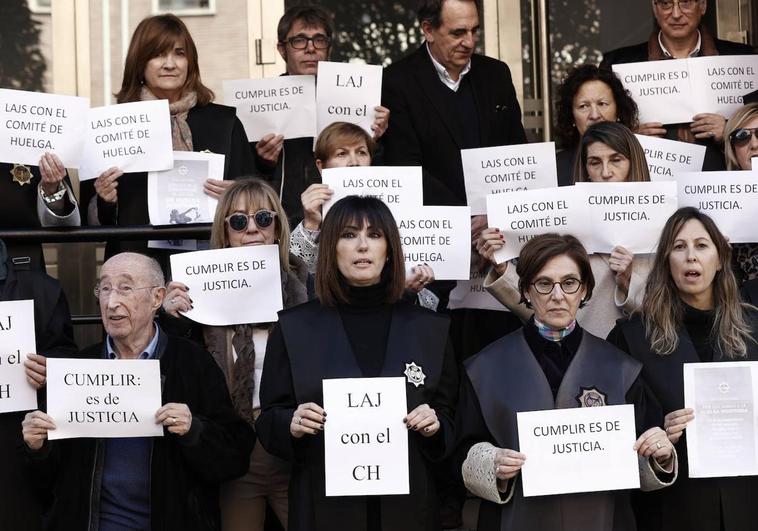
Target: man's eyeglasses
{"type": "Point", "coordinates": [545, 286]}
{"type": "Point", "coordinates": [320, 42]}
{"type": "Point", "coordinates": [740, 137]}
{"type": "Point", "coordinates": [239, 221]}
{"type": "Point", "coordinates": [686, 6]}
{"type": "Point", "coordinates": [125, 291]}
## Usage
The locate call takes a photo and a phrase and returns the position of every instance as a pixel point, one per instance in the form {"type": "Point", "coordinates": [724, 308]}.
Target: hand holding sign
{"type": "Point", "coordinates": [508, 463]}
{"type": "Point", "coordinates": [35, 367]}
{"type": "Point", "coordinates": [675, 423]}
{"type": "Point", "coordinates": [106, 185]}
{"type": "Point", "coordinates": [308, 419]}
{"type": "Point", "coordinates": [34, 428]}
{"type": "Point", "coordinates": [177, 418]}
{"type": "Point", "coordinates": [313, 199]}
{"type": "Point", "coordinates": [52, 171]}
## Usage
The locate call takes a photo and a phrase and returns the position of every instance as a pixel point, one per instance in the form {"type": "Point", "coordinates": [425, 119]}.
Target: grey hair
{"type": "Point", "coordinates": [152, 268]}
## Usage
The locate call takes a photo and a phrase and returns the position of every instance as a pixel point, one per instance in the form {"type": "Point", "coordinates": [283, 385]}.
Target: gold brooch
{"type": "Point", "coordinates": [21, 174]}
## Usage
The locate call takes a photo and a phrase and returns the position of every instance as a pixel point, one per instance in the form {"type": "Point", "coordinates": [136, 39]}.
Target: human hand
{"type": "Point", "coordinates": [381, 121]}
{"type": "Point", "coordinates": [177, 299]}
{"type": "Point", "coordinates": [308, 418]}
{"type": "Point", "coordinates": [313, 199]}
{"type": "Point", "coordinates": [176, 417]}
{"type": "Point", "coordinates": [676, 422]}
{"type": "Point", "coordinates": [421, 275]}
{"type": "Point", "coordinates": [508, 463]}
{"type": "Point", "coordinates": [708, 125]}
{"type": "Point", "coordinates": [35, 367]}
{"type": "Point", "coordinates": [655, 443]}
{"type": "Point", "coordinates": [34, 428]}
{"type": "Point", "coordinates": [489, 242]}
{"type": "Point", "coordinates": [107, 183]}
{"type": "Point", "coordinates": [269, 147]}
{"type": "Point", "coordinates": [52, 171]}
{"type": "Point", "coordinates": [423, 419]}
{"type": "Point", "coordinates": [620, 263]}
{"type": "Point", "coordinates": [651, 129]}
{"type": "Point", "coordinates": [214, 187]}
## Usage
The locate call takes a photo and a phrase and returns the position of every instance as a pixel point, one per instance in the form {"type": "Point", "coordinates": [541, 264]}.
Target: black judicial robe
{"type": "Point", "coordinates": [309, 344]}
{"type": "Point", "coordinates": [689, 504]}
{"type": "Point", "coordinates": [506, 378]}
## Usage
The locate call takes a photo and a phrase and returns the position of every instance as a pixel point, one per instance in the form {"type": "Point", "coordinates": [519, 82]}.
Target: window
{"type": "Point", "coordinates": [40, 6]}
{"type": "Point", "coordinates": [184, 7]}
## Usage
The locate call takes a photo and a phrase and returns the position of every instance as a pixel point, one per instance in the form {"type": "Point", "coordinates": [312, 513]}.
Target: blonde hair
{"type": "Point", "coordinates": [738, 120]}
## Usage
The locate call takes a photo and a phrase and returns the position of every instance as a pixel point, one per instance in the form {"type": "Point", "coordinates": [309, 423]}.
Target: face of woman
{"type": "Point", "coordinates": [606, 165]}
{"type": "Point", "coordinates": [694, 262]}
{"type": "Point", "coordinates": [593, 102]}
{"type": "Point", "coordinates": [745, 151]}
{"type": "Point", "coordinates": [556, 309]}
{"type": "Point", "coordinates": [252, 233]}
{"type": "Point", "coordinates": [166, 74]}
{"type": "Point", "coordinates": [349, 154]}
{"type": "Point", "coordinates": [361, 254]}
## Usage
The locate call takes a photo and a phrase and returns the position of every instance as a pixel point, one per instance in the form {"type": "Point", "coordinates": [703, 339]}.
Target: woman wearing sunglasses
{"type": "Point", "coordinates": [741, 146]}
{"type": "Point", "coordinates": [249, 213]}
{"type": "Point", "coordinates": [551, 363]}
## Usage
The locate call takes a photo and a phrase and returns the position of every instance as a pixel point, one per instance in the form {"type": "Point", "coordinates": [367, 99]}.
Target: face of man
{"type": "Point", "coordinates": [679, 20]}
{"type": "Point", "coordinates": [304, 61]}
{"type": "Point", "coordinates": [453, 43]}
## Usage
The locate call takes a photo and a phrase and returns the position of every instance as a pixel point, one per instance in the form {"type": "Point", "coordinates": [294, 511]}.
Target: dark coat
{"type": "Point", "coordinates": [310, 344]}
{"type": "Point", "coordinates": [423, 131]}
{"type": "Point", "coordinates": [690, 503]}
{"type": "Point", "coordinates": [564, 161]}
{"type": "Point", "coordinates": [184, 474]}
{"type": "Point", "coordinates": [21, 503]}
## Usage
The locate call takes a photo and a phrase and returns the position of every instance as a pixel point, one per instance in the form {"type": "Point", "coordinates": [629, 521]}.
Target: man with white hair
{"type": "Point", "coordinates": [159, 483]}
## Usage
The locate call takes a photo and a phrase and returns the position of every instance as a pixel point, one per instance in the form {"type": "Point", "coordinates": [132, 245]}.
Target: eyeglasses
{"type": "Point", "coordinates": [740, 137]}
{"type": "Point", "coordinates": [103, 292]}
{"type": "Point", "coordinates": [686, 6]}
{"type": "Point", "coordinates": [569, 285]}
{"type": "Point", "coordinates": [239, 222]}
{"type": "Point", "coordinates": [320, 42]}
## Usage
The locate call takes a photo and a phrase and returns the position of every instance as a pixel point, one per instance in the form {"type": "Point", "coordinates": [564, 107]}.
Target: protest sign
{"type": "Point", "coordinates": [103, 398]}
{"type": "Point", "coordinates": [365, 440]}
{"type": "Point", "coordinates": [231, 286]}
{"type": "Point", "coordinates": [720, 82]}
{"type": "Point", "coordinates": [347, 92]}
{"type": "Point", "coordinates": [630, 214]}
{"type": "Point", "coordinates": [584, 449]}
{"type": "Point", "coordinates": [439, 236]}
{"type": "Point", "coordinates": [754, 163]}
{"type": "Point", "coordinates": [721, 440]}
{"type": "Point", "coordinates": [495, 170]}
{"type": "Point", "coordinates": [730, 198]}
{"type": "Point", "coordinates": [522, 215]}
{"type": "Point", "coordinates": [284, 105]}
{"type": "Point", "coordinates": [34, 123]}
{"type": "Point", "coordinates": [661, 89]}
{"type": "Point", "coordinates": [666, 158]}
{"type": "Point", "coordinates": [471, 294]}
{"type": "Point", "coordinates": [395, 185]}
{"type": "Point", "coordinates": [133, 137]}
{"type": "Point", "coordinates": [16, 341]}
{"type": "Point", "coordinates": [176, 196]}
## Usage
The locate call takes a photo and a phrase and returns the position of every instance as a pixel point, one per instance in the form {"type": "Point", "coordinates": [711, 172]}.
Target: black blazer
{"type": "Point", "coordinates": [424, 131]}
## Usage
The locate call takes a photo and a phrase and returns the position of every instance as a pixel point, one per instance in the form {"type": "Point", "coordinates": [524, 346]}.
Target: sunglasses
{"type": "Point", "coordinates": [741, 136]}
{"type": "Point", "coordinates": [262, 219]}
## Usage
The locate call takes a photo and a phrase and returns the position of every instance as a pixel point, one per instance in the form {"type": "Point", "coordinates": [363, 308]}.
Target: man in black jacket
{"type": "Point", "coordinates": [161, 483]}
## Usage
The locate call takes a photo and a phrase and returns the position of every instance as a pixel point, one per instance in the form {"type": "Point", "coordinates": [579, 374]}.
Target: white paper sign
{"type": "Point", "coordinates": [754, 163]}
{"type": "Point", "coordinates": [522, 215]}
{"type": "Point", "coordinates": [721, 440]}
{"type": "Point", "coordinates": [103, 398]}
{"type": "Point", "coordinates": [16, 341]}
{"type": "Point", "coordinates": [347, 92]}
{"type": "Point", "coordinates": [628, 214]}
{"type": "Point", "coordinates": [584, 449]}
{"type": "Point", "coordinates": [231, 286]}
{"type": "Point", "coordinates": [133, 137]}
{"type": "Point", "coordinates": [730, 198]}
{"type": "Point", "coordinates": [666, 158]}
{"type": "Point", "coordinates": [176, 196]}
{"type": "Point", "coordinates": [720, 82]}
{"type": "Point", "coordinates": [284, 105]}
{"type": "Point", "coordinates": [471, 294]}
{"type": "Point", "coordinates": [661, 89]}
{"type": "Point", "coordinates": [395, 185]}
{"type": "Point", "coordinates": [495, 170]}
{"type": "Point", "coordinates": [33, 123]}
{"type": "Point", "coordinates": [365, 439]}
{"type": "Point", "coordinates": [439, 236]}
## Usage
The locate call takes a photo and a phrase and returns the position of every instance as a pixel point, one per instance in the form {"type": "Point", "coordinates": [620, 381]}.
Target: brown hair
{"type": "Point", "coordinates": [256, 194]}
{"type": "Point", "coordinates": [739, 119]}
{"type": "Point", "coordinates": [310, 16]}
{"type": "Point", "coordinates": [619, 138]}
{"type": "Point", "coordinates": [540, 250]}
{"type": "Point", "coordinates": [331, 287]}
{"type": "Point", "coordinates": [431, 11]}
{"type": "Point", "coordinates": [155, 36]}
{"type": "Point", "coordinates": [338, 134]}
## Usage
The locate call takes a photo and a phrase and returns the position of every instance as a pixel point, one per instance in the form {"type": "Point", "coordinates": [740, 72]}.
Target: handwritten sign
{"type": "Point", "coordinates": [131, 136]}
{"type": "Point", "coordinates": [231, 286]}
{"type": "Point", "coordinates": [16, 341]}
{"type": "Point", "coordinates": [666, 158]}
{"type": "Point", "coordinates": [347, 92]}
{"type": "Point", "coordinates": [496, 170]}
{"type": "Point", "coordinates": [33, 123]}
{"type": "Point", "coordinates": [395, 185]}
{"type": "Point", "coordinates": [584, 449]}
{"type": "Point", "coordinates": [730, 198]}
{"type": "Point", "coordinates": [365, 440]}
{"type": "Point", "coordinates": [103, 398]}
{"type": "Point", "coordinates": [284, 105]}
{"type": "Point", "coordinates": [628, 214]}
{"type": "Point", "coordinates": [520, 216]}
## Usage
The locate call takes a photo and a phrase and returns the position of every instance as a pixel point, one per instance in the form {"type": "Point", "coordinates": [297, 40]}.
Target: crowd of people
{"type": "Point", "coordinates": [243, 406]}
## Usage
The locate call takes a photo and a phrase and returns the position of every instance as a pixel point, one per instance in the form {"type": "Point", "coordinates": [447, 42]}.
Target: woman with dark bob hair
{"type": "Point", "coordinates": [588, 95]}
{"type": "Point", "coordinates": [551, 363]}
{"type": "Point", "coordinates": [358, 327]}
{"type": "Point", "coordinates": [691, 313]}
{"type": "Point", "coordinates": [162, 63]}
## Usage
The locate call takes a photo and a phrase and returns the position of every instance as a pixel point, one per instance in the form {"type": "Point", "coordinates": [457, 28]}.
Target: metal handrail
{"type": "Point", "coordinates": [105, 233]}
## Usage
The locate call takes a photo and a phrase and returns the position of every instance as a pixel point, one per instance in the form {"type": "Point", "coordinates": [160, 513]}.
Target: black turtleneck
{"type": "Point", "coordinates": [699, 324]}
{"type": "Point", "coordinates": [553, 356]}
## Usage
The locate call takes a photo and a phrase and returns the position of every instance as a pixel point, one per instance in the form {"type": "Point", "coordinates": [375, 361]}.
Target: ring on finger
{"type": "Point", "coordinates": [658, 445]}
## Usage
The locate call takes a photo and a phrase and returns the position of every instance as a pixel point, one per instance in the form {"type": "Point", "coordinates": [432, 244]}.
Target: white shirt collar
{"type": "Point", "coordinates": [444, 75]}
{"type": "Point", "coordinates": [695, 51]}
